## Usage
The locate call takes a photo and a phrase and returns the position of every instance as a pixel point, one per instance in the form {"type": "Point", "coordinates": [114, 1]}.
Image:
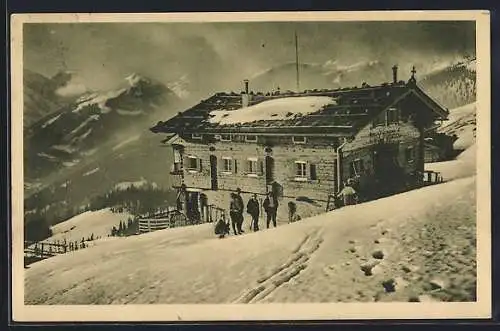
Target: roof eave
{"type": "Point", "coordinates": [433, 104]}
{"type": "Point", "coordinates": [331, 130]}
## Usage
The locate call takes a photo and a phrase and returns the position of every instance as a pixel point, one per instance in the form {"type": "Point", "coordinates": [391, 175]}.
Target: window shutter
{"type": "Point", "coordinates": [200, 164]}
{"type": "Point", "coordinates": [235, 166]}
{"type": "Point", "coordinates": [312, 172]}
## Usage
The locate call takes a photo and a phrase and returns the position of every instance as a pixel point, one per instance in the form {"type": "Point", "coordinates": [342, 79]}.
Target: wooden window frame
{"type": "Point", "coordinates": [299, 142]}
{"type": "Point", "coordinates": [251, 140]}
{"type": "Point", "coordinates": [252, 171]}
{"type": "Point", "coordinates": [302, 176]}
{"type": "Point", "coordinates": [392, 116]}
{"type": "Point", "coordinates": [188, 165]}
{"type": "Point", "coordinates": [357, 164]}
{"type": "Point", "coordinates": [227, 160]}
{"type": "Point", "coordinates": [226, 135]}
{"type": "Point", "coordinates": [410, 151]}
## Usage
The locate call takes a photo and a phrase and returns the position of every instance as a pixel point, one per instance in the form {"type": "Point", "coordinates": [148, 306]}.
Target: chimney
{"type": "Point", "coordinates": [395, 74]}
{"type": "Point", "coordinates": [245, 96]}
{"type": "Point", "coordinates": [246, 85]}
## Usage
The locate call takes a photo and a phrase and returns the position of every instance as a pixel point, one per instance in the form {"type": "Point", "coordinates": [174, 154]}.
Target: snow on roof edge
{"type": "Point", "coordinates": [275, 109]}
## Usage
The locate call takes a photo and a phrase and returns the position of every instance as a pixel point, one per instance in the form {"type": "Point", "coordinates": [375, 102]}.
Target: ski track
{"type": "Point", "coordinates": [284, 273]}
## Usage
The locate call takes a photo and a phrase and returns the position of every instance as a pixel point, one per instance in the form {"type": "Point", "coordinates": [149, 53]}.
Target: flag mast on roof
{"type": "Point", "coordinates": [297, 60]}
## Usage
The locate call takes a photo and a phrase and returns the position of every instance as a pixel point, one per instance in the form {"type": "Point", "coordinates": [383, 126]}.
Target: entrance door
{"type": "Point", "coordinates": [386, 168]}
{"type": "Point", "coordinates": [193, 208]}
{"type": "Point", "coordinates": [269, 170]}
{"type": "Point", "coordinates": [213, 172]}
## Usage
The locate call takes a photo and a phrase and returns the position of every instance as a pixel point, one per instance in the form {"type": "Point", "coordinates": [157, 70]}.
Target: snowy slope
{"type": "Point", "coordinates": [461, 122]}
{"type": "Point", "coordinates": [83, 225]}
{"type": "Point", "coordinates": [427, 252]}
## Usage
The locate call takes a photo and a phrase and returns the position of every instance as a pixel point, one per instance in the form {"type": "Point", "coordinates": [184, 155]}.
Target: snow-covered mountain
{"type": "Point", "coordinates": [452, 83]}
{"type": "Point", "coordinates": [42, 95]}
{"type": "Point", "coordinates": [320, 75]}
{"type": "Point", "coordinates": [79, 129]}
{"type": "Point", "coordinates": [89, 146]}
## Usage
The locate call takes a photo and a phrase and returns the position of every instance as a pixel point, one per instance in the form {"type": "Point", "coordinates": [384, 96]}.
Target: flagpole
{"type": "Point", "coordinates": [297, 60]}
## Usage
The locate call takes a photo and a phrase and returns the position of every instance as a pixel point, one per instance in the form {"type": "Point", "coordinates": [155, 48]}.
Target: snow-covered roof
{"type": "Point", "coordinates": [277, 109]}
{"type": "Point", "coordinates": [334, 112]}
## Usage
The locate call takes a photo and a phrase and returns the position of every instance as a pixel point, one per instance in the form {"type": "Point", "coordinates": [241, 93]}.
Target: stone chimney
{"type": "Point", "coordinates": [395, 74]}
{"type": "Point", "coordinates": [245, 96]}
{"type": "Point", "coordinates": [246, 85]}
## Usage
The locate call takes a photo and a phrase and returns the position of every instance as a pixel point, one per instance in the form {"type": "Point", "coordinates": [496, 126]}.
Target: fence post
{"type": "Point", "coordinates": [149, 225]}
{"type": "Point", "coordinates": [41, 252]}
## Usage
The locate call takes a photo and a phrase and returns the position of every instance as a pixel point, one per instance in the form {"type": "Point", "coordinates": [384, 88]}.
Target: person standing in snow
{"type": "Point", "coordinates": [253, 210]}
{"type": "Point", "coordinates": [241, 206]}
{"type": "Point", "coordinates": [271, 207]}
{"type": "Point", "coordinates": [234, 213]}
{"type": "Point", "coordinates": [348, 194]}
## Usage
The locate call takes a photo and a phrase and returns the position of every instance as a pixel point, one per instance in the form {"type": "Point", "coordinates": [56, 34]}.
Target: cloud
{"type": "Point", "coordinates": [72, 89]}
{"type": "Point", "coordinates": [218, 56]}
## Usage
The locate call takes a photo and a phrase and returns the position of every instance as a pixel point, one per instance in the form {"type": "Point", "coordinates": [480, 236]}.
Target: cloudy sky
{"type": "Point", "coordinates": [214, 56]}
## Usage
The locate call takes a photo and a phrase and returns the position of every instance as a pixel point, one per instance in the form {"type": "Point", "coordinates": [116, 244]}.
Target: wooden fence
{"type": "Point", "coordinates": [169, 219]}
{"type": "Point", "coordinates": [39, 250]}
{"type": "Point", "coordinates": [173, 218]}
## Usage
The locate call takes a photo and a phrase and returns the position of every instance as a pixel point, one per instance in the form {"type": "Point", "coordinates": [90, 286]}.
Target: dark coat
{"type": "Point", "coordinates": [267, 206]}
{"type": "Point", "coordinates": [253, 207]}
{"type": "Point", "coordinates": [233, 206]}
{"type": "Point", "coordinates": [221, 228]}
{"type": "Point", "coordinates": [239, 203]}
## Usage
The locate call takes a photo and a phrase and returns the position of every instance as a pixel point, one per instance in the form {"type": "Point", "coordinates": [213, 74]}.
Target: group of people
{"type": "Point", "coordinates": [347, 196]}
{"type": "Point", "coordinates": [236, 212]}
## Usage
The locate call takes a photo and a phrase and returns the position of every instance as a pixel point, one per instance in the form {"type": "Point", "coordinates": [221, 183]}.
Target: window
{"type": "Point", "coordinates": [410, 154]}
{"type": "Point", "coordinates": [227, 164]}
{"type": "Point", "coordinates": [299, 140]}
{"type": "Point", "coordinates": [225, 137]}
{"type": "Point", "coordinates": [300, 170]}
{"type": "Point", "coordinates": [251, 138]}
{"type": "Point", "coordinates": [379, 120]}
{"type": "Point", "coordinates": [312, 172]}
{"type": "Point", "coordinates": [252, 165]}
{"type": "Point", "coordinates": [392, 115]}
{"type": "Point", "coordinates": [357, 167]}
{"type": "Point", "coordinates": [196, 136]}
{"type": "Point", "coordinates": [177, 166]}
{"type": "Point", "coordinates": [192, 162]}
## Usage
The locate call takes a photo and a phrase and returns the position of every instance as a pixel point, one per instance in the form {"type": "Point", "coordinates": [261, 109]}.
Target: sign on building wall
{"type": "Point", "coordinates": [386, 134]}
